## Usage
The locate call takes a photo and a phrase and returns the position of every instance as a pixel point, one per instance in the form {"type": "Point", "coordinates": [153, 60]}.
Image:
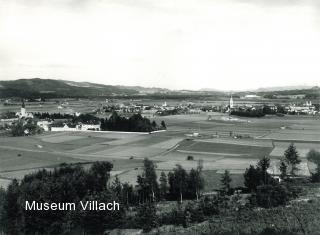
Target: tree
{"type": "Point", "coordinates": [190, 158]}
{"type": "Point", "coordinates": [252, 178]}
{"type": "Point", "coordinates": [149, 187]}
{"type": "Point", "coordinates": [11, 215]}
{"type": "Point", "coordinates": [264, 164]}
{"type": "Point", "coordinates": [17, 128]}
{"type": "Point", "coordinates": [255, 176]}
{"type": "Point", "coordinates": [99, 175]}
{"type": "Point", "coordinates": [199, 179]}
{"type": "Point", "coordinates": [154, 124]}
{"type": "Point", "coordinates": [292, 158]}
{"type": "Point", "coordinates": [116, 187]}
{"type": "Point", "coordinates": [66, 183]}
{"type": "Point", "coordinates": [225, 182]}
{"type": "Point", "coordinates": [163, 125]}
{"type": "Point", "coordinates": [163, 185]}
{"type": "Point", "coordinates": [146, 216]}
{"type": "Point", "coordinates": [283, 170]}
{"type": "Point", "coordinates": [128, 194]}
{"type": "Point", "coordinates": [195, 183]}
{"type": "Point", "coordinates": [272, 195]}
{"type": "Point", "coordinates": [314, 156]}
{"type": "Point", "coordinates": [135, 123]}
{"type": "Point", "coordinates": [178, 183]}
{"type": "Point", "coordinates": [315, 177]}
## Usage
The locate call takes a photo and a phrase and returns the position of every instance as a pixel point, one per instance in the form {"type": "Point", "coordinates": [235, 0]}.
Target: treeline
{"type": "Point", "coordinates": [86, 118]}
{"type": "Point", "coordinates": [248, 113]}
{"type": "Point", "coordinates": [53, 116]}
{"type": "Point", "coordinates": [169, 112]}
{"type": "Point", "coordinates": [135, 123]}
{"type": "Point", "coordinates": [73, 183]}
{"type": "Point", "coordinates": [8, 115]}
{"type": "Point", "coordinates": [64, 184]}
{"type": "Point", "coordinates": [177, 185]}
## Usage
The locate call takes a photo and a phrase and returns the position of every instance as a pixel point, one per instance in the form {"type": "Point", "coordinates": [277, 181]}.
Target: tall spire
{"type": "Point", "coordinates": [231, 102]}
{"type": "Point", "coordinates": [23, 105]}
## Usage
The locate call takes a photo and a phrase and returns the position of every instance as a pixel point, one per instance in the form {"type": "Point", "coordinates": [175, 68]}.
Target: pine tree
{"type": "Point", "coordinates": [263, 165]}
{"type": "Point", "coordinates": [163, 185]}
{"type": "Point", "coordinates": [195, 181]}
{"type": "Point", "coordinates": [117, 187]}
{"type": "Point", "coordinates": [283, 170]}
{"type": "Point", "coordinates": [225, 181]}
{"type": "Point", "coordinates": [292, 158]}
{"type": "Point", "coordinates": [146, 215]}
{"type": "Point", "coordinates": [163, 125]}
{"type": "Point", "coordinates": [11, 210]}
{"type": "Point", "coordinates": [252, 178]}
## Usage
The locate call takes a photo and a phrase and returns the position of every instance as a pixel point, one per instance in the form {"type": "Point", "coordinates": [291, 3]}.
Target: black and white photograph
{"type": "Point", "coordinates": [159, 117]}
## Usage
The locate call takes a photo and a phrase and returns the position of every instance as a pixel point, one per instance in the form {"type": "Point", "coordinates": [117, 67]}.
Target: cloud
{"type": "Point", "coordinates": [231, 44]}
{"type": "Point", "coordinates": [280, 3]}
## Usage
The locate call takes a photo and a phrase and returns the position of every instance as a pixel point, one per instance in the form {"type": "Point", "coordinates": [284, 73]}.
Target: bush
{"type": "Point", "coordinates": [146, 216]}
{"type": "Point", "coordinates": [190, 158]}
{"type": "Point", "coordinates": [268, 196]}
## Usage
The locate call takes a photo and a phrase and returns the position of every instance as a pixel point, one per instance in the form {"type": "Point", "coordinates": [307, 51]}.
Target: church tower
{"type": "Point", "coordinates": [231, 102]}
{"type": "Point", "coordinates": [23, 109]}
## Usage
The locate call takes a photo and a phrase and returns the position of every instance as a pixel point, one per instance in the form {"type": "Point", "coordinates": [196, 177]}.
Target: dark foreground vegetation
{"type": "Point", "coordinates": [169, 204]}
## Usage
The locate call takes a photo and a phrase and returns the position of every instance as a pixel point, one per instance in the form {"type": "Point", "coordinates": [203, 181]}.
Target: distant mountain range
{"type": "Point", "coordinates": [266, 89]}
{"type": "Point", "coordinates": [284, 88]}
{"type": "Point", "coordinates": [51, 88]}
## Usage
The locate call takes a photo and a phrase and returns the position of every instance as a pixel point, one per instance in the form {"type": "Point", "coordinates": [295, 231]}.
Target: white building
{"type": "Point", "coordinates": [23, 113]}
{"type": "Point", "coordinates": [44, 124]}
{"type": "Point", "coordinates": [79, 127]}
{"type": "Point", "coordinates": [251, 96]}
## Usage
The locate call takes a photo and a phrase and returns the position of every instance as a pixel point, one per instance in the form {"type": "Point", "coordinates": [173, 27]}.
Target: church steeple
{"type": "Point", "coordinates": [23, 105]}
{"type": "Point", "coordinates": [231, 102]}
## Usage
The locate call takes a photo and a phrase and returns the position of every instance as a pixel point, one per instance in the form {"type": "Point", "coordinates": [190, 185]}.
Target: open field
{"type": "Point", "coordinates": [216, 146]}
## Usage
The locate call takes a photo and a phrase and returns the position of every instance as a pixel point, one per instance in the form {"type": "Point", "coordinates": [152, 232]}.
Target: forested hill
{"type": "Point", "coordinates": [313, 92]}
{"type": "Point", "coordinates": [50, 88]}
{"type": "Point", "coordinates": [310, 93]}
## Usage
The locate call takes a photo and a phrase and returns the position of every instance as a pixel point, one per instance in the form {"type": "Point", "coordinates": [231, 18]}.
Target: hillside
{"type": "Point", "coordinates": [50, 88]}
{"type": "Point", "coordinates": [310, 93]}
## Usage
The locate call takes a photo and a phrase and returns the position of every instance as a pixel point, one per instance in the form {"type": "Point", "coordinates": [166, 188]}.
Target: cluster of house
{"type": "Point", "coordinates": [153, 110]}
{"type": "Point", "coordinates": [304, 108]}
{"type": "Point", "coordinates": [49, 125]}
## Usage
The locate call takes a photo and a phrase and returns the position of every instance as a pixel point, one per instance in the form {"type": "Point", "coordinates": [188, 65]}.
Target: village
{"type": "Point", "coordinates": [240, 107]}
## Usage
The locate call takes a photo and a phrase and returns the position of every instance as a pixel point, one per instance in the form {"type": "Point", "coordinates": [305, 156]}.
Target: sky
{"type": "Point", "coordinates": [175, 44]}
